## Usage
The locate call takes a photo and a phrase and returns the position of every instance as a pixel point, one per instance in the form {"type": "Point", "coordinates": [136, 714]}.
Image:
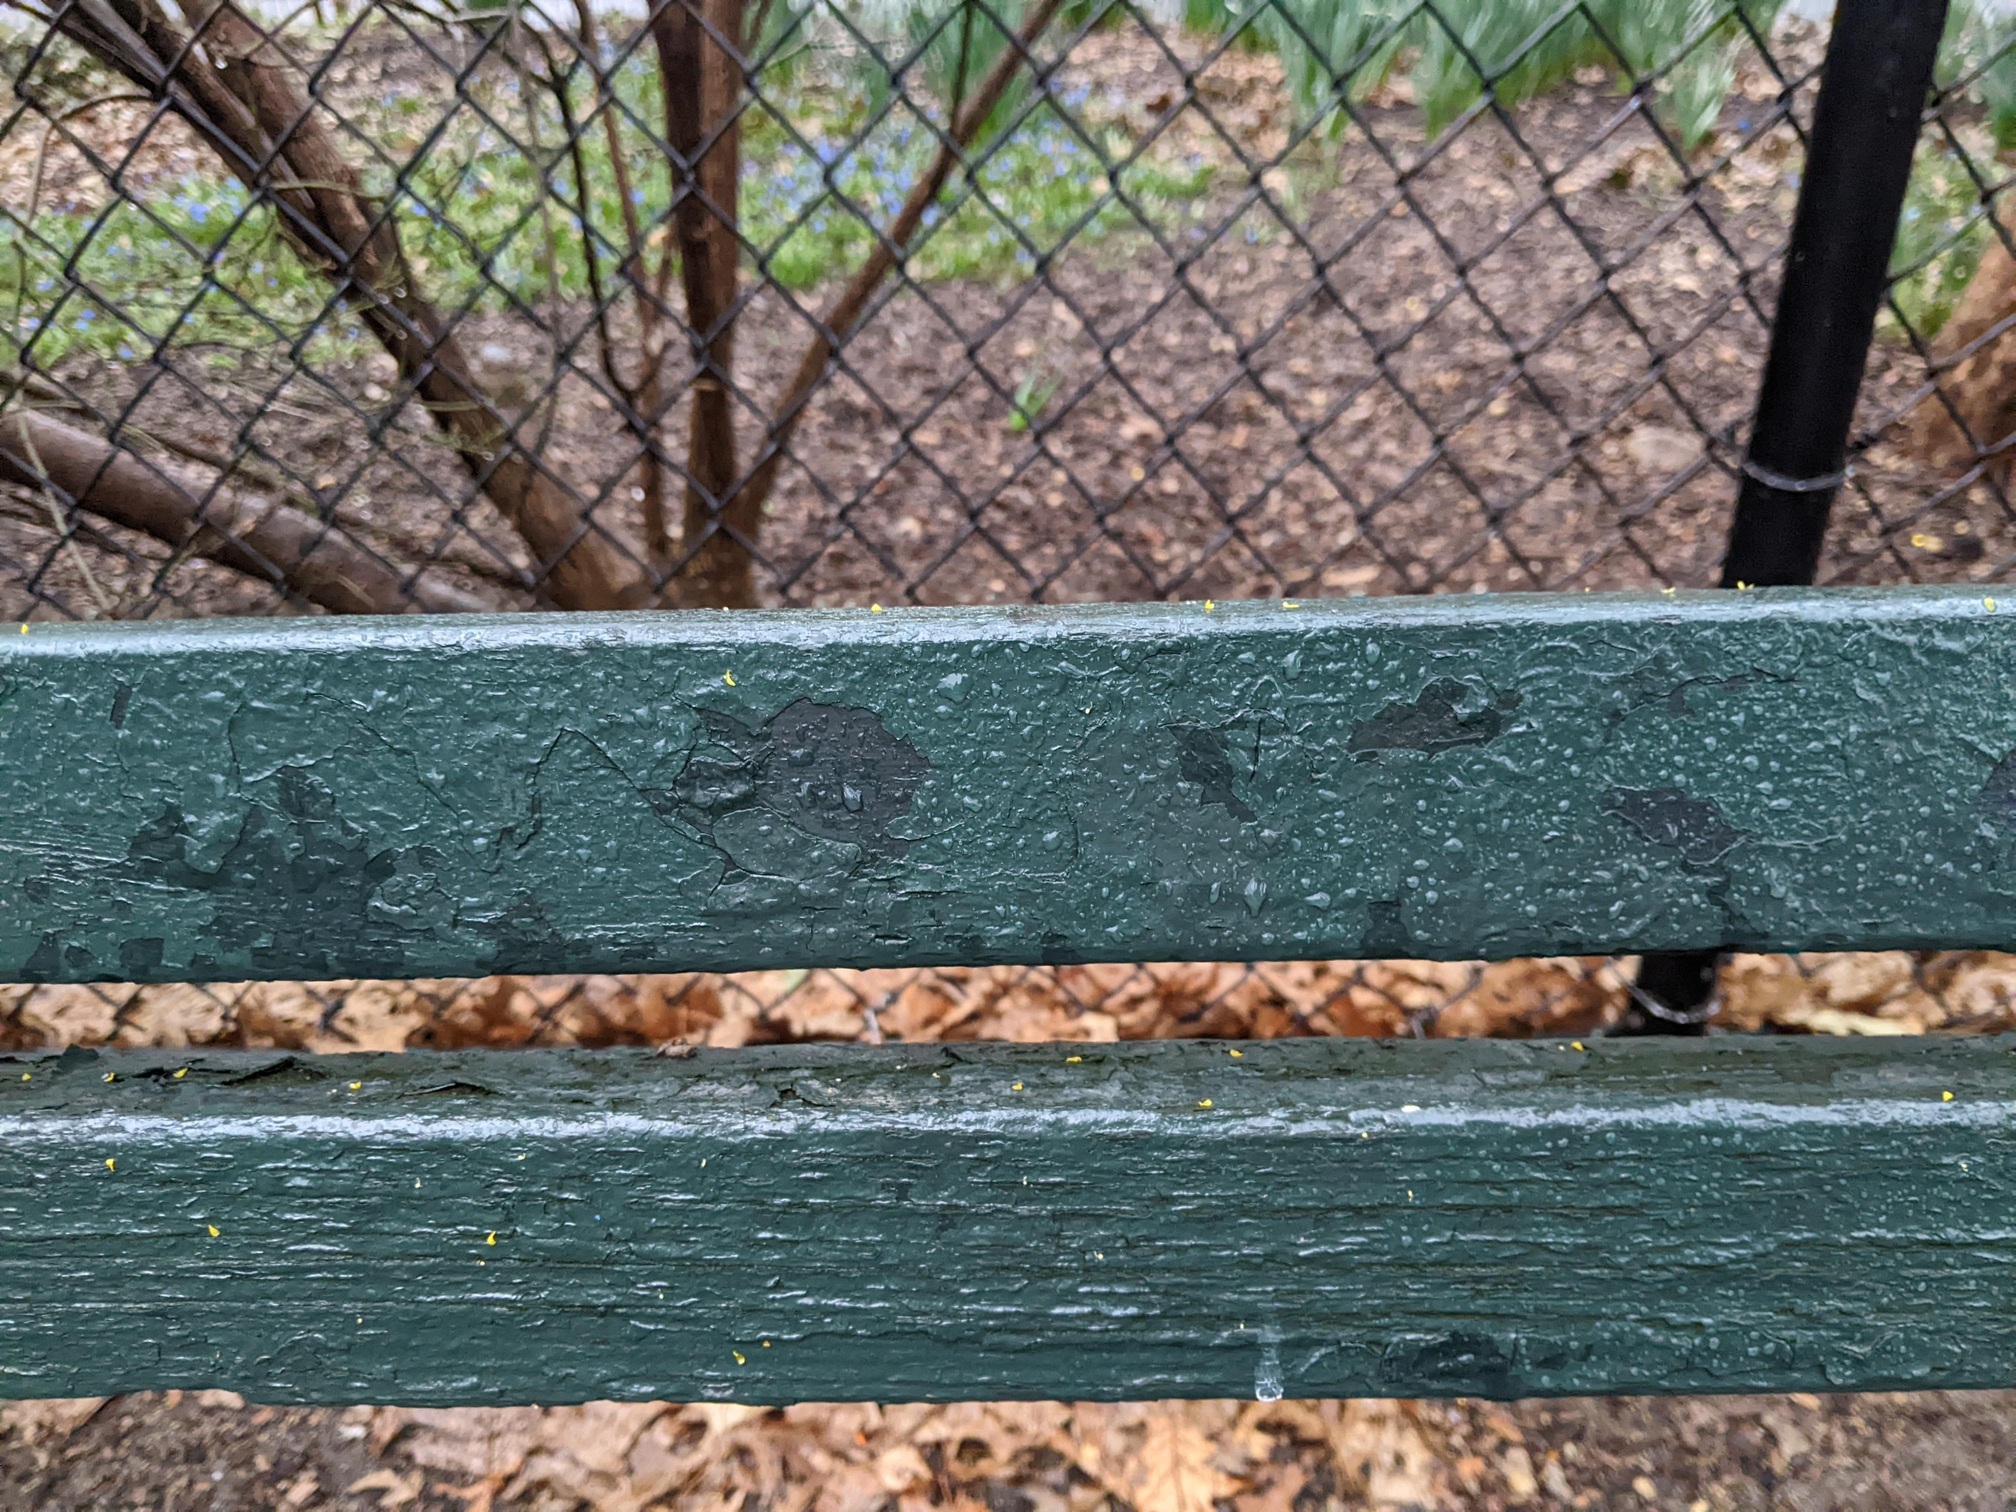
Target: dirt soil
{"type": "Point", "coordinates": [178, 1452]}
{"type": "Point", "coordinates": [1519, 357]}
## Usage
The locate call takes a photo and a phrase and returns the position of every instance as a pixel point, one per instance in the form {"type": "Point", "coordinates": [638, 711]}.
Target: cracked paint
{"type": "Point", "coordinates": [924, 1222]}
{"type": "Point", "coordinates": [1693, 827]}
{"type": "Point", "coordinates": [1463, 779]}
{"type": "Point", "coordinates": [1448, 714]}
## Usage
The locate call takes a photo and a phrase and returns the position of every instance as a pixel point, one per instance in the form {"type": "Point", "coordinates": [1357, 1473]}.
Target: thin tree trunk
{"type": "Point", "coordinates": [699, 45]}
{"type": "Point", "coordinates": [745, 510]}
{"type": "Point", "coordinates": [230, 81]}
{"type": "Point", "coordinates": [275, 544]}
{"type": "Point", "coordinates": [644, 397]}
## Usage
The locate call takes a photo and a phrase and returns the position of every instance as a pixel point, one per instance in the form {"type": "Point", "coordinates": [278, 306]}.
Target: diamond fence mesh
{"type": "Point", "coordinates": [801, 302]}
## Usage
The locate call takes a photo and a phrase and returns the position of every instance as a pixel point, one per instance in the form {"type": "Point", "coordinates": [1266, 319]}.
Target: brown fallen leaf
{"type": "Point", "coordinates": [901, 1469]}
{"type": "Point", "coordinates": [1278, 1494]}
{"type": "Point", "coordinates": [468, 1442]}
{"type": "Point", "coordinates": [1380, 1449]}
{"type": "Point", "coordinates": [475, 1497]}
{"type": "Point", "coordinates": [850, 1488]}
{"type": "Point", "coordinates": [1172, 1470]}
{"type": "Point", "coordinates": [394, 1490]}
{"type": "Point", "coordinates": [49, 1420]}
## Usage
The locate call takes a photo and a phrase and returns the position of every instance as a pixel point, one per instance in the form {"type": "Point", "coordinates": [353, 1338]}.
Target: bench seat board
{"type": "Point", "coordinates": [1455, 778]}
{"type": "Point", "coordinates": [1305, 1217]}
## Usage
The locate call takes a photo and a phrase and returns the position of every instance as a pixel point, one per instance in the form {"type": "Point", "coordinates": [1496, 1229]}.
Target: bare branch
{"type": "Point", "coordinates": [293, 551]}
{"type": "Point", "coordinates": [719, 563]}
{"type": "Point", "coordinates": [233, 86]}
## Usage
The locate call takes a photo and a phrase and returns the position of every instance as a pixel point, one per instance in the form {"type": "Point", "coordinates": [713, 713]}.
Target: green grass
{"type": "Point", "coordinates": [1945, 229]}
{"type": "Point", "coordinates": [194, 268]}
{"type": "Point", "coordinates": [831, 151]}
{"type": "Point", "coordinates": [1334, 51]}
{"type": "Point", "coordinates": [197, 268]}
{"type": "Point", "coordinates": [1940, 238]}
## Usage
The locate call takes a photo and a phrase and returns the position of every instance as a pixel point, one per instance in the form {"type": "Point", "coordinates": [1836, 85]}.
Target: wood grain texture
{"type": "Point", "coordinates": [1451, 778]}
{"type": "Point", "coordinates": [1308, 1217]}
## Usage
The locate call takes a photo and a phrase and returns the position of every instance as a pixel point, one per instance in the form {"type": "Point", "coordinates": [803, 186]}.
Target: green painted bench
{"type": "Point", "coordinates": [1446, 778]}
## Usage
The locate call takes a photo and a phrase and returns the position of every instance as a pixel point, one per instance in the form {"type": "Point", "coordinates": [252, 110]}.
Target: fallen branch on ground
{"type": "Point", "coordinates": [303, 555]}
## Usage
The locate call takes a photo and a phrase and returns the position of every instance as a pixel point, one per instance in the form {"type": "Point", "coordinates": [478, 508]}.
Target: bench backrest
{"type": "Point", "coordinates": [1442, 778]}
{"type": "Point", "coordinates": [1453, 778]}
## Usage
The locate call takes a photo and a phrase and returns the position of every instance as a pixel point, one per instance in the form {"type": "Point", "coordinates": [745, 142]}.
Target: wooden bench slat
{"type": "Point", "coordinates": [1306, 1217]}
{"type": "Point", "coordinates": [1449, 778]}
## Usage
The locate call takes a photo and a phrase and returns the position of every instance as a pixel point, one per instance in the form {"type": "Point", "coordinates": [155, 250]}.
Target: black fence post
{"type": "Point", "coordinates": [1873, 86]}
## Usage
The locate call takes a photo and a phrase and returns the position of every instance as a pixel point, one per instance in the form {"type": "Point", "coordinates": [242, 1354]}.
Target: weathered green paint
{"type": "Point", "coordinates": [1454, 778]}
{"type": "Point", "coordinates": [999, 1221]}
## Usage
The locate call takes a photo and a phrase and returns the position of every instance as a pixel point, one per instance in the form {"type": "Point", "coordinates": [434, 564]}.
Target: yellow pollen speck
{"type": "Point", "coordinates": [1203, 1102]}
{"type": "Point", "coordinates": [1945, 1097]}
{"type": "Point", "coordinates": [728, 678]}
{"type": "Point", "coordinates": [27, 1076]}
{"type": "Point", "coordinates": [356, 1086]}
{"type": "Point", "coordinates": [213, 1229]}
{"type": "Point", "coordinates": [1016, 1088]}
{"type": "Point", "coordinates": [1209, 606]}
{"type": "Point", "coordinates": [740, 1359]}
{"type": "Point", "coordinates": [1098, 1254]}
{"type": "Point", "coordinates": [110, 1165]}
{"type": "Point", "coordinates": [874, 608]}
{"type": "Point", "coordinates": [24, 629]}
{"type": "Point", "coordinates": [111, 1076]}
{"type": "Point", "coordinates": [1238, 1055]}
{"type": "Point", "coordinates": [766, 1343]}
{"type": "Point", "coordinates": [1740, 584]}
{"type": "Point", "coordinates": [1574, 1044]}
{"type": "Point", "coordinates": [491, 1237]}
{"type": "Point", "coordinates": [1989, 605]}
{"type": "Point", "coordinates": [1669, 592]}
{"type": "Point", "coordinates": [1072, 1060]}
{"type": "Point", "coordinates": [1137, 472]}
{"type": "Point", "coordinates": [182, 1073]}
{"type": "Point", "coordinates": [1290, 604]}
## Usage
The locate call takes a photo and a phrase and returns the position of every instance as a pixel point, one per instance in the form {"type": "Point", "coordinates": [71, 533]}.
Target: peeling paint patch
{"type": "Point", "coordinates": [1998, 795]}
{"type": "Point", "coordinates": [1695, 827]}
{"type": "Point", "coordinates": [1203, 761]}
{"type": "Point", "coordinates": [299, 884]}
{"type": "Point", "coordinates": [825, 770]}
{"type": "Point", "coordinates": [1459, 1362]}
{"type": "Point", "coordinates": [1386, 933]}
{"type": "Point", "coordinates": [1446, 715]}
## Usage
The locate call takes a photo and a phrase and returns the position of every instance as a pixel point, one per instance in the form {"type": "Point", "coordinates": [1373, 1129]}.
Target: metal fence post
{"type": "Point", "coordinates": [1873, 86]}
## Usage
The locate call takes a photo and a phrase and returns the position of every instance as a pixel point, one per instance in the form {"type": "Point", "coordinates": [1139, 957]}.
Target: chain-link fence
{"type": "Point", "coordinates": [812, 302]}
